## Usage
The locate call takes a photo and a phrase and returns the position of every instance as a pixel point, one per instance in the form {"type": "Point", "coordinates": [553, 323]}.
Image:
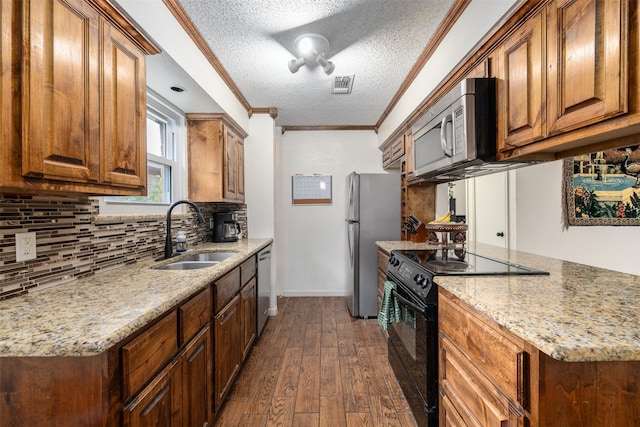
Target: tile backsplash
{"type": "Point", "coordinates": [74, 241]}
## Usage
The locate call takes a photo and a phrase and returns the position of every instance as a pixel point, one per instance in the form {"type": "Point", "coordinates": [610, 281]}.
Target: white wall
{"type": "Point", "coordinates": [540, 227]}
{"type": "Point", "coordinates": [476, 21]}
{"type": "Point", "coordinates": [259, 167]}
{"type": "Point", "coordinates": [312, 254]}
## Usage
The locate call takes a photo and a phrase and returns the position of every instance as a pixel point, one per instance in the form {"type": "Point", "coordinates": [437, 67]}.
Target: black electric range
{"type": "Point", "coordinates": [413, 346]}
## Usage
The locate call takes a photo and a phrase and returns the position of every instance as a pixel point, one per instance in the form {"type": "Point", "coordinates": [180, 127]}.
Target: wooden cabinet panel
{"type": "Point", "coordinates": [124, 156]}
{"type": "Point", "coordinates": [216, 158]}
{"type": "Point", "coordinates": [447, 414]}
{"type": "Point", "coordinates": [61, 91]}
{"type": "Point", "coordinates": [159, 404]}
{"type": "Point", "coordinates": [497, 356]}
{"type": "Point", "coordinates": [197, 380]}
{"type": "Point", "coordinates": [74, 99]}
{"type": "Point", "coordinates": [587, 56]}
{"type": "Point", "coordinates": [383, 258]}
{"type": "Point", "coordinates": [225, 288]}
{"type": "Point", "coordinates": [227, 348]}
{"type": "Point", "coordinates": [476, 400]}
{"type": "Point", "coordinates": [231, 166]}
{"type": "Point", "coordinates": [521, 86]}
{"type": "Point", "coordinates": [393, 152]}
{"type": "Point", "coordinates": [148, 353]}
{"type": "Point", "coordinates": [194, 314]}
{"type": "Point", "coordinates": [249, 321]}
{"type": "Point", "coordinates": [240, 167]}
{"type": "Point", "coordinates": [248, 270]}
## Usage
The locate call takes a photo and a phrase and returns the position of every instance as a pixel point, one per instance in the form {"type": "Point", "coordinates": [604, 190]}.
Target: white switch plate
{"type": "Point", "coordinates": [25, 246]}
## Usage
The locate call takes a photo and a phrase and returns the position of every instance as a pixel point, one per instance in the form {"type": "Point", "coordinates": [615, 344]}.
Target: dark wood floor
{"type": "Point", "coordinates": [315, 365]}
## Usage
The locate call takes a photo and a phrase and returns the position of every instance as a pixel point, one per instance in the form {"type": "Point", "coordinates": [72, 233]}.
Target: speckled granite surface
{"type": "Point", "coordinates": [577, 313]}
{"type": "Point", "coordinates": [86, 319]}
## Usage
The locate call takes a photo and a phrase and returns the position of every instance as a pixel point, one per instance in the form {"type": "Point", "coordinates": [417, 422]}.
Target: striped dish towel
{"type": "Point", "coordinates": [389, 308]}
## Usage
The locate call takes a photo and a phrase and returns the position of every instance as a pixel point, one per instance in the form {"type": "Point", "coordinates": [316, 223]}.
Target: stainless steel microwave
{"type": "Point", "coordinates": [457, 135]}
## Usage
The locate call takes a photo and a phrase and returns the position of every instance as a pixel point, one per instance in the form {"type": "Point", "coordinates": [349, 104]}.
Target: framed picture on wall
{"type": "Point", "coordinates": [603, 188]}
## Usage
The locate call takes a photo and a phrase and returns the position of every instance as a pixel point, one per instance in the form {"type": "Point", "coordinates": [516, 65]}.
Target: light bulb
{"type": "Point", "coordinates": [305, 45]}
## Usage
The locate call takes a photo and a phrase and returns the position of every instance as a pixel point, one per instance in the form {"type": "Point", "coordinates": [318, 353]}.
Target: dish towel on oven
{"type": "Point", "coordinates": [391, 311]}
{"type": "Point", "coordinates": [389, 307]}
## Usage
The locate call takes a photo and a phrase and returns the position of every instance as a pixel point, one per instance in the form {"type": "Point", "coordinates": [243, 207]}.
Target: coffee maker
{"type": "Point", "coordinates": [226, 227]}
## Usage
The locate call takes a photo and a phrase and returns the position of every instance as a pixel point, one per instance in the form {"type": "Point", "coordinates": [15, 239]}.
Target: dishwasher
{"type": "Point", "coordinates": [264, 287]}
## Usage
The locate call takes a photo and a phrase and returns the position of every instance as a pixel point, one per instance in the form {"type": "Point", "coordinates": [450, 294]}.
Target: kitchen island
{"type": "Point", "coordinates": [562, 349]}
{"type": "Point", "coordinates": [101, 351]}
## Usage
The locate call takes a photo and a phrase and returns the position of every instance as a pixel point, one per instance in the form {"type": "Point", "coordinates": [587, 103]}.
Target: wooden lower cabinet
{"type": "Point", "coordinates": [249, 325]}
{"type": "Point", "coordinates": [489, 377]}
{"type": "Point", "coordinates": [180, 395]}
{"type": "Point", "coordinates": [174, 372]}
{"type": "Point", "coordinates": [227, 333]}
{"type": "Point", "coordinates": [196, 380]}
{"type": "Point", "coordinates": [159, 404]}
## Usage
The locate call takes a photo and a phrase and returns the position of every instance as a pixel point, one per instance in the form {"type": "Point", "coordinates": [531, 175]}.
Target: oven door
{"type": "Point", "coordinates": [414, 348]}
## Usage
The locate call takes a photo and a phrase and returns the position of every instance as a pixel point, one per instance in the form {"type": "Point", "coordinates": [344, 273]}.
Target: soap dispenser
{"type": "Point", "coordinates": [181, 242]}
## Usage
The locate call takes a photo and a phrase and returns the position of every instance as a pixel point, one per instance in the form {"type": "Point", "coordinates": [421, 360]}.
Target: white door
{"type": "Point", "coordinates": [491, 209]}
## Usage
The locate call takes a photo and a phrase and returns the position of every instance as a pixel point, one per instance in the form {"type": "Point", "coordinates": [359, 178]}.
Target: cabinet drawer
{"type": "Point", "coordinates": [225, 288]}
{"type": "Point", "coordinates": [193, 314]}
{"type": "Point", "coordinates": [492, 352]}
{"type": "Point", "coordinates": [247, 270]}
{"type": "Point", "coordinates": [475, 399]}
{"type": "Point", "coordinates": [148, 353]}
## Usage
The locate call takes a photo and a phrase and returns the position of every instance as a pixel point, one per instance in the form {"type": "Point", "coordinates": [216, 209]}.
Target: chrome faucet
{"type": "Point", "coordinates": [168, 245]}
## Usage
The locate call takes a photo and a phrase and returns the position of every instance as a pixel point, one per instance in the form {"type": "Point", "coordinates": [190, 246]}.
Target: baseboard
{"type": "Point", "coordinates": [314, 293]}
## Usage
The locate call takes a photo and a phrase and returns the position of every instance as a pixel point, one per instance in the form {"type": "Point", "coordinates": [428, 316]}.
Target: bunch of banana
{"type": "Point", "coordinates": [443, 218]}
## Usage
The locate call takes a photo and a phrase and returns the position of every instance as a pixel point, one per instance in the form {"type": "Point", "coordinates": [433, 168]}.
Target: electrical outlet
{"type": "Point", "coordinates": [25, 246]}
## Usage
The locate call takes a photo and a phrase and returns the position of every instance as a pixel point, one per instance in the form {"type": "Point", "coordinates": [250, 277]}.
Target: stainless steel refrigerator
{"type": "Point", "coordinates": [373, 213]}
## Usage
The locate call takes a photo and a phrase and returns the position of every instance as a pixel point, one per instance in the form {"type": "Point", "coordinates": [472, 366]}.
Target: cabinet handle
{"type": "Point", "coordinates": [155, 401]}
{"type": "Point", "coordinates": [226, 316]}
{"type": "Point", "coordinates": [195, 353]}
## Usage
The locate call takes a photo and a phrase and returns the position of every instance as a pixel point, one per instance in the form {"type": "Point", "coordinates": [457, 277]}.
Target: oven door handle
{"type": "Point", "coordinates": [419, 308]}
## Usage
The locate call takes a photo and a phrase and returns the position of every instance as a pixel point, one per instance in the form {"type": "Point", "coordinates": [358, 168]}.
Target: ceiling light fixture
{"type": "Point", "coordinates": [312, 48]}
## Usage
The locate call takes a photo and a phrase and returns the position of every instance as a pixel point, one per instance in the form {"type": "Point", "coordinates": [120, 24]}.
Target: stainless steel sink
{"type": "Point", "coordinates": [188, 265]}
{"type": "Point", "coordinates": [209, 256]}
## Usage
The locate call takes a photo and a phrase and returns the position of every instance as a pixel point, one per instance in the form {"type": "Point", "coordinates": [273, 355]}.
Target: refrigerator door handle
{"type": "Point", "coordinates": [349, 227]}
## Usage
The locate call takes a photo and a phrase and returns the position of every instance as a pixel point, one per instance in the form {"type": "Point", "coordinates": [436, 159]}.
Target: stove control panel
{"type": "Point", "coordinates": [412, 276]}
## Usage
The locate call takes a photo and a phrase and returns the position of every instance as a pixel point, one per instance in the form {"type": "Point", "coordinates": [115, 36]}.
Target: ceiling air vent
{"type": "Point", "coordinates": [342, 84]}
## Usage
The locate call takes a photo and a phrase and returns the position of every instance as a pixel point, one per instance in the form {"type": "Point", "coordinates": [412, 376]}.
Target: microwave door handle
{"type": "Point", "coordinates": [448, 151]}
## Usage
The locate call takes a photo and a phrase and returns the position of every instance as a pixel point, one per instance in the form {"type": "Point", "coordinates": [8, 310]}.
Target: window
{"type": "Point", "coordinates": [165, 162]}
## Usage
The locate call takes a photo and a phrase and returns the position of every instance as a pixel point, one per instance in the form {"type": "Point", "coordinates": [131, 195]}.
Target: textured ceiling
{"type": "Point", "coordinates": [378, 41]}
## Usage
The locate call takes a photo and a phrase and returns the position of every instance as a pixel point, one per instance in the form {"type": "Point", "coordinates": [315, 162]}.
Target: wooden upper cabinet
{"type": "Point", "coordinates": [521, 88]}
{"type": "Point", "coordinates": [393, 152]}
{"type": "Point", "coordinates": [124, 158]}
{"type": "Point", "coordinates": [216, 158]}
{"type": "Point", "coordinates": [61, 91]}
{"type": "Point", "coordinates": [587, 57]}
{"type": "Point", "coordinates": [73, 99]}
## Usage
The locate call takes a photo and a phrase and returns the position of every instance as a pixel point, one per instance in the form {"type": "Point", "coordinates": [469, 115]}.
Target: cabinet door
{"type": "Point", "coordinates": [159, 404]}
{"type": "Point", "coordinates": [124, 143]}
{"type": "Point", "coordinates": [61, 91]}
{"type": "Point", "coordinates": [587, 57]}
{"type": "Point", "coordinates": [249, 324]}
{"type": "Point", "coordinates": [521, 88]}
{"type": "Point", "coordinates": [196, 380]}
{"type": "Point", "coordinates": [240, 168]}
{"type": "Point", "coordinates": [227, 348]}
{"type": "Point", "coordinates": [230, 166]}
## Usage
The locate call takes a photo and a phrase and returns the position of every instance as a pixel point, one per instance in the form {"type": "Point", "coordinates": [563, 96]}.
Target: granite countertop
{"type": "Point", "coordinates": [577, 313]}
{"type": "Point", "coordinates": [88, 316]}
